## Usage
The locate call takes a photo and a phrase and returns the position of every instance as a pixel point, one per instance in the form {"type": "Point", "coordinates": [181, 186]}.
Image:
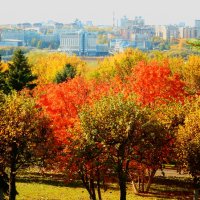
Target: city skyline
{"type": "Point", "coordinates": [100, 12]}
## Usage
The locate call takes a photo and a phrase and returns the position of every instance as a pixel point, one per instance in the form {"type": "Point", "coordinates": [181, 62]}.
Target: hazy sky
{"type": "Point", "coordinates": [99, 11]}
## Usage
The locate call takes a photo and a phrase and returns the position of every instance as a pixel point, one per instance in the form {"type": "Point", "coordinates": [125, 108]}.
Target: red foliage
{"type": "Point", "coordinates": [154, 83]}
{"type": "Point", "coordinates": [61, 103]}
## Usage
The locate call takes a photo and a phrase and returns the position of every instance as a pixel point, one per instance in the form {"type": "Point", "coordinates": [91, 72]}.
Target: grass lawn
{"type": "Point", "coordinates": [33, 186]}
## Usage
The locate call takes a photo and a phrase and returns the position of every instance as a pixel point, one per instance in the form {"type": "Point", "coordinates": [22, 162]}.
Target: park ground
{"type": "Point", "coordinates": [49, 186]}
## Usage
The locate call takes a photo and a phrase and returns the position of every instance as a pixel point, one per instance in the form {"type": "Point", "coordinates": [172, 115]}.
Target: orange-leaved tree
{"type": "Point", "coordinates": [154, 83]}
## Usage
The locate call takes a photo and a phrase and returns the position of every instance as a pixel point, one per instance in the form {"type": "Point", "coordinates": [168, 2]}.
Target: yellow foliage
{"type": "Point", "coordinates": [4, 66]}
{"type": "Point", "coordinates": [176, 65]}
{"type": "Point", "coordinates": [191, 72]}
{"type": "Point", "coordinates": [120, 64]}
{"type": "Point", "coordinates": [47, 65]}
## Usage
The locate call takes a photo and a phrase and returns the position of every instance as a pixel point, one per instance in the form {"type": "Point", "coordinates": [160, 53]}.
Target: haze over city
{"type": "Point", "coordinates": [100, 12]}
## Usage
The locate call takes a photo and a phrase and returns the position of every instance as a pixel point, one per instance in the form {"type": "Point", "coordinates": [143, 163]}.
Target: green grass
{"type": "Point", "coordinates": [33, 186]}
{"type": "Point", "coordinates": [92, 63]}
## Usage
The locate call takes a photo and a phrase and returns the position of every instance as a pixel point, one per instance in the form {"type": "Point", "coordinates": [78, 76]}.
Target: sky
{"type": "Point", "coordinates": [99, 11]}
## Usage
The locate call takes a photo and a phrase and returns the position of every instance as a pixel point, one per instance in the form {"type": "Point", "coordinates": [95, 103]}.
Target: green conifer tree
{"type": "Point", "coordinates": [19, 74]}
{"type": "Point", "coordinates": [67, 73]}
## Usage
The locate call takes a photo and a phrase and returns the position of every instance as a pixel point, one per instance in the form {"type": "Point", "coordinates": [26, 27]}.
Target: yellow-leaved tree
{"type": "Point", "coordinates": [120, 64]}
{"type": "Point", "coordinates": [47, 65]}
{"type": "Point", "coordinates": [188, 143]}
{"type": "Point", "coordinates": [191, 73]}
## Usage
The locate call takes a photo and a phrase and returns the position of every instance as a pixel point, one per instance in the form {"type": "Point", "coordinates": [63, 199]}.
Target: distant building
{"type": "Point", "coordinates": [129, 24]}
{"type": "Point", "coordinates": [58, 25]}
{"type": "Point", "coordinates": [167, 32]}
{"type": "Point", "coordinates": [102, 50]}
{"type": "Point", "coordinates": [81, 43]}
{"type": "Point", "coordinates": [72, 42]}
{"type": "Point", "coordinates": [197, 26]}
{"type": "Point", "coordinates": [13, 34]}
{"type": "Point", "coordinates": [118, 45]}
{"type": "Point", "coordinates": [89, 23]}
{"type": "Point", "coordinates": [90, 43]}
{"type": "Point", "coordinates": [37, 25]}
{"type": "Point", "coordinates": [48, 37]}
{"type": "Point", "coordinates": [24, 25]}
{"type": "Point", "coordinates": [11, 43]}
{"type": "Point", "coordinates": [188, 32]}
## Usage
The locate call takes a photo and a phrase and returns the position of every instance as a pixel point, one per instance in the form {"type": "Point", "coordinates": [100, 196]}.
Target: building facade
{"type": "Point", "coordinates": [81, 43]}
{"type": "Point", "coordinates": [13, 34]}
{"type": "Point", "coordinates": [197, 26]}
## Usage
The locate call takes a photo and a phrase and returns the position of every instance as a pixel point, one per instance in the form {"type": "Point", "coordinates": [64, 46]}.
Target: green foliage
{"type": "Point", "coordinates": [110, 120]}
{"type": "Point", "coordinates": [18, 75]}
{"type": "Point", "coordinates": [67, 73]}
{"type": "Point", "coordinates": [194, 43]}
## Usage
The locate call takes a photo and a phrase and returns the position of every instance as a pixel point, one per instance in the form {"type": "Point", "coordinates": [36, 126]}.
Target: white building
{"type": "Point", "coordinates": [78, 42]}
{"type": "Point", "coordinates": [90, 43]}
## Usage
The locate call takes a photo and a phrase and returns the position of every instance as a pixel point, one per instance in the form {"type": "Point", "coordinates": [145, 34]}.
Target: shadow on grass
{"type": "Point", "coordinates": [167, 195]}
{"type": "Point", "coordinates": [47, 179]}
{"type": "Point", "coordinates": [173, 187]}
{"type": "Point", "coordinates": [173, 181]}
{"type": "Point", "coordinates": [52, 179]}
{"type": "Point", "coordinates": [162, 188]}
{"type": "Point", "coordinates": [170, 188]}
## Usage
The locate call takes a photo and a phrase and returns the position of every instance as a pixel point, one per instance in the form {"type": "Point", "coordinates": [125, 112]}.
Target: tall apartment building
{"type": "Point", "coordinates": [188, 32]}
{"type": "Point", "coordinates": [90, 43]}
{"type": "Point", "coordinates": [130, 23]}
{"type": "Point", "coordinates": [81, 43]}
{"type": "Point", "coordinates": [167, 32]}
{"type": "Point", "coordinates": [197, 26]}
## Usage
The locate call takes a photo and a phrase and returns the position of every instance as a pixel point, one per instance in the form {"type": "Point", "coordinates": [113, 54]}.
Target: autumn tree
{"type": "Point", "coordinates": [115, 124]}
{"type": "Point", "coordinates": [23, 133]}
{"type": "Point", "coordinates": [47, 65]}
{"type": "Point", "coordinates": [120, 64]}
{"type": "Point", "coordinates": [153, 83]}
{"type": "Point", "coordinates": [75, 155]}
{"type": "Point", "coordinates": [2, 80]}
{"type": "Point", "coordinates": [188, 144]}
{"type": "Point", "coordinates": [191, 74]}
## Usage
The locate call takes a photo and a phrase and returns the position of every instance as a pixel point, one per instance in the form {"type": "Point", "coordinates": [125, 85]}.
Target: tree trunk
{"type": "Point", "coordinates": [122, 185]}
{"type": "Point", "coordinates": [92, 189]}
{"type": "Point", "coordinates": [196, 188]}
{"type": "Point", "coordinates": [12, 180]}
{"type": "Point", "coordinates": [135, 190]}
{"type": "Point", "coordinates": [152, 174]}
{"type": "Point", "coordinates": [143, 179]}
{"type": "Point", "coordinates": [122, 174]}
{"type": "Point", "coordinates": [139, 183]}
{"type": "Point", "coordinates": [99, 185]}
{"type": "Point", "coordinates": [86, 184]}
{"type": "Point", "coordinates": [196, 194]}
{"type": "Point", "coordinates": [1, 193]}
